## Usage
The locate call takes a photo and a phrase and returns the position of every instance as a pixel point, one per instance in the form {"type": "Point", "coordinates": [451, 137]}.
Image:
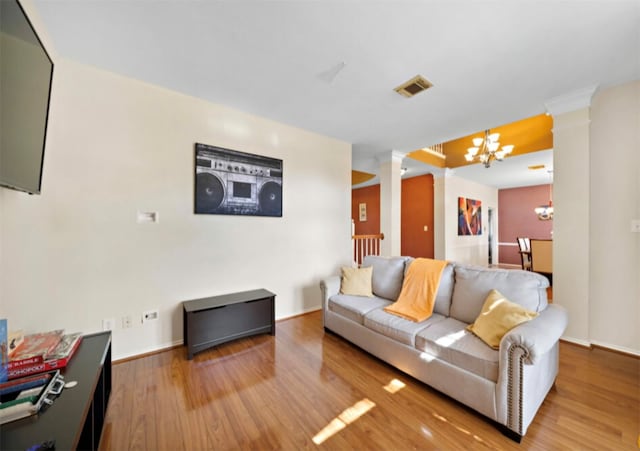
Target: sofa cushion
{"type": "Point", "coordinates": [397, 328]}
{"type": "Point", "coordinates": [356, 281]}
{"type": "Point", "coordinates": [355, 307]}
{"type": "Point", "coordinates": [450, 341]}
{"type": "Point", "coordinates": [445, 289]}
{"type": "Point", "coordinates": [473, 284]}
{"type": "Point", "coordinates": [388, 274]}
{"type": "Point", "coordinates": [498, 316]}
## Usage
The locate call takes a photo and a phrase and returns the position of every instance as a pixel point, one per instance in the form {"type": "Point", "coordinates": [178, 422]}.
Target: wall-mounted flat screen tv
{"type": "Point", "coordinates": [26, 71]}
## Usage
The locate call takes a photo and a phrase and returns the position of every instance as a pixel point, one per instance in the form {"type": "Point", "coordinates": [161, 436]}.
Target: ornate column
{"type": "Point", "coordinates": [390, 201]}
{"type": "Point", "coordinates": [440, 213]}
{"type": "Point", "coordinates": [571, 150]}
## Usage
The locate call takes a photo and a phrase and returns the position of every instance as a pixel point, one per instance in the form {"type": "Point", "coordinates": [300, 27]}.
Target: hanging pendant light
{"type": "Point", "coordinates": [486, 149]}
{"type": "Point", "coordinates": [544, 212]}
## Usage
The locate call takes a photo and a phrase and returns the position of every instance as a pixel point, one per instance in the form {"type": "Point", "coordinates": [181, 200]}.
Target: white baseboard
{"type": "Point", "coordinates": [150, 350]}
{"type": "Point", "coordinates": [166, 346]}
{"type": "Point", "coordinates": [577, 341]}
{"type": "Point", "coordinates": [600, 344]}
{"type": "Point", "coordinates": [622, 349]}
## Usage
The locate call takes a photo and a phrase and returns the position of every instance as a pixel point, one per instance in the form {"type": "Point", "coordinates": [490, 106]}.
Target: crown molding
{"type": "Point", "coordinates": [571, 101]}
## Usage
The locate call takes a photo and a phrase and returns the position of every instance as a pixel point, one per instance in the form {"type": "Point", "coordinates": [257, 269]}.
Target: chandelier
{"type": "Point", "coordinates": [545, 212]}
{"type": "Point", "coordinates": [486, 150]}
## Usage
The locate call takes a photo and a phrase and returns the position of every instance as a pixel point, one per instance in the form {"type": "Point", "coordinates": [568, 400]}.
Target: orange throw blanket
{"type": "Point", "coordinates": [419, 289]}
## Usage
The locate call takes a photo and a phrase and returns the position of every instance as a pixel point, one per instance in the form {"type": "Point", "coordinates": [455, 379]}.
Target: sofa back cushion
{"type": "Point", "coordinates": [445, 291]}
{"type": "Point", "coordinates": [445, 288]}
{"type": "Point", "coordinates": [388, 274]}
{"type": "Point", "coordinates": [473, 284]}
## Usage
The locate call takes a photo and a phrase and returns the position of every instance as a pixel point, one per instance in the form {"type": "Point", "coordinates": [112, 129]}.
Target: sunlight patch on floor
{"type": "Point", "coordinates": [394, 386]}
{"type": "Point", "coordinates": [443, 419]}
{"type": "Point", "coordinates": [349, 415]}
{"type": "Point", "coordinates": [426, 432]}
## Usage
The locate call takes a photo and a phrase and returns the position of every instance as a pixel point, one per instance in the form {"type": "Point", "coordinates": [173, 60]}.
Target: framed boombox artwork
{"type": "Point", "coordinates": [230, 182]}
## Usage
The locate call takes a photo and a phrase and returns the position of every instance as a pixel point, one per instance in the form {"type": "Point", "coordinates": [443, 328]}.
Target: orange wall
{"type": "Point", "coordinates": [369, 195]}
{"type": "Point", "coordinates": [417, 212]}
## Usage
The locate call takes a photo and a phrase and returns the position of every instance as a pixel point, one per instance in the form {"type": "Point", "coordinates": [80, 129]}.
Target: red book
{"type": "Point", "coordinates": [35, 348]}
{"type": "Point", "coordinates": [13, 364]}
{"type": "Point", "coordinates": [59, 358]}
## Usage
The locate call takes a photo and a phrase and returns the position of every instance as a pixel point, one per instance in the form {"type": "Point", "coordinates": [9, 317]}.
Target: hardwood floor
{"type": "Point", "coordinates": [304, 389]}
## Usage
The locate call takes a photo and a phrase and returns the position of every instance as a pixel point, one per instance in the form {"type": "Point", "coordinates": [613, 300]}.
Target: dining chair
{"type": "Point", "coordinates": [542, 257]}
{"type": "Point", "coordinates": [525, 253]}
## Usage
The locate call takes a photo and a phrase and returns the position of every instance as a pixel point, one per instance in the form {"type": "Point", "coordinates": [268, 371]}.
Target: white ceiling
{"type": "Point", "coordinates": [491, 62]}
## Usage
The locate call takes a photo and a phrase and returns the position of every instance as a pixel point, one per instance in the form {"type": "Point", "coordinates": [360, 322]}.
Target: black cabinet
{"type": "Point", "coordinates": [76, 417]}
{"type": "Point", "coordinates": [218, 319]}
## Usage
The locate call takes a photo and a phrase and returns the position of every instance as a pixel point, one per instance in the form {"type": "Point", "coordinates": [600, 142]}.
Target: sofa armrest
{"type": "Point", "coordinates": [533, 344]}
{"type": "Point", "coordinates": [329, 287]}
{"type": "Point", "coordinates": [537, 336]}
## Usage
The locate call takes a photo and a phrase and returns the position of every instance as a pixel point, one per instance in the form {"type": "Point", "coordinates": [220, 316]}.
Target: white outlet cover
{"type": "Point", "coordinates": [127, 322]}
{"type": "Point", "coordinates": [148, 217]}
{"type": "Point", "coordinates": [150, 315]}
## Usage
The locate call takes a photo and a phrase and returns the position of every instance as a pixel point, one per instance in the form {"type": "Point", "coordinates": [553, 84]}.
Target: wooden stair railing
{"type": "Point", "coordinates": [364, 245]}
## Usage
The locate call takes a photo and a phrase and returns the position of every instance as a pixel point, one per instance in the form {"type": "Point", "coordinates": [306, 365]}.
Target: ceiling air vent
{"type": "Point", "coordinates": [414, 86]}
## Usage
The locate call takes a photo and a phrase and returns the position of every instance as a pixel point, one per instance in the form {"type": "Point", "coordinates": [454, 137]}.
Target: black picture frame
{"type": "Point", "coordinates": [231, 182]}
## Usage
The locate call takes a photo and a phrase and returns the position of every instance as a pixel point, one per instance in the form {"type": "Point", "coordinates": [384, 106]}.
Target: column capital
{"type": "Point", "coordinates": [571, 101]}
{"type": "Point", "coordinates": [391, 156]}
{"type": "Point", "coordinates": [443, 173]}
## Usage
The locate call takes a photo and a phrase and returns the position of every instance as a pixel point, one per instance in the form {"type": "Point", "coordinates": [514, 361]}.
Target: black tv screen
{"type": "Point", "coordinates": [26, 71]}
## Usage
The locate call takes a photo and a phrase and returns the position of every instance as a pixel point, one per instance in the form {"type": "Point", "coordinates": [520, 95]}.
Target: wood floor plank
{"type": "Point", "coordinates": [306, 389]}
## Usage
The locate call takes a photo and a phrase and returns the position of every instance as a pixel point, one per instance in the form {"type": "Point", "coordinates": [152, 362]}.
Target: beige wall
{"type": "Point", "coordinates": [614, 252]}
{"type": "Point", "coordinates": [76, 254]}
{"type": "Point", "coordinates": [448, 245]}
{"type": "Point", "coordinates": [596, 196]}
{"type": "Point", "coordinates": [571, 219]}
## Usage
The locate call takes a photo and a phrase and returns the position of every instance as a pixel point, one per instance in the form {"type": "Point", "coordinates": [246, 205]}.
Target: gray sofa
{"type": "Point", "coordinates": [507, 385]}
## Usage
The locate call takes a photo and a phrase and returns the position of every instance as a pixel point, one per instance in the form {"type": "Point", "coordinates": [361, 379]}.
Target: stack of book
{"type": "Point", "coordinates": [25, 396]}
{"type": "Point", "coordinates": [42, 352]}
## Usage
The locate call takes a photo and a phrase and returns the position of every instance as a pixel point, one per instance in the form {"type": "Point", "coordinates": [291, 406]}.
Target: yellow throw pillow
{"type": "Point", "coordinates": [498, 316]}
{"type": "Point", "coordinates": [356, 281]}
